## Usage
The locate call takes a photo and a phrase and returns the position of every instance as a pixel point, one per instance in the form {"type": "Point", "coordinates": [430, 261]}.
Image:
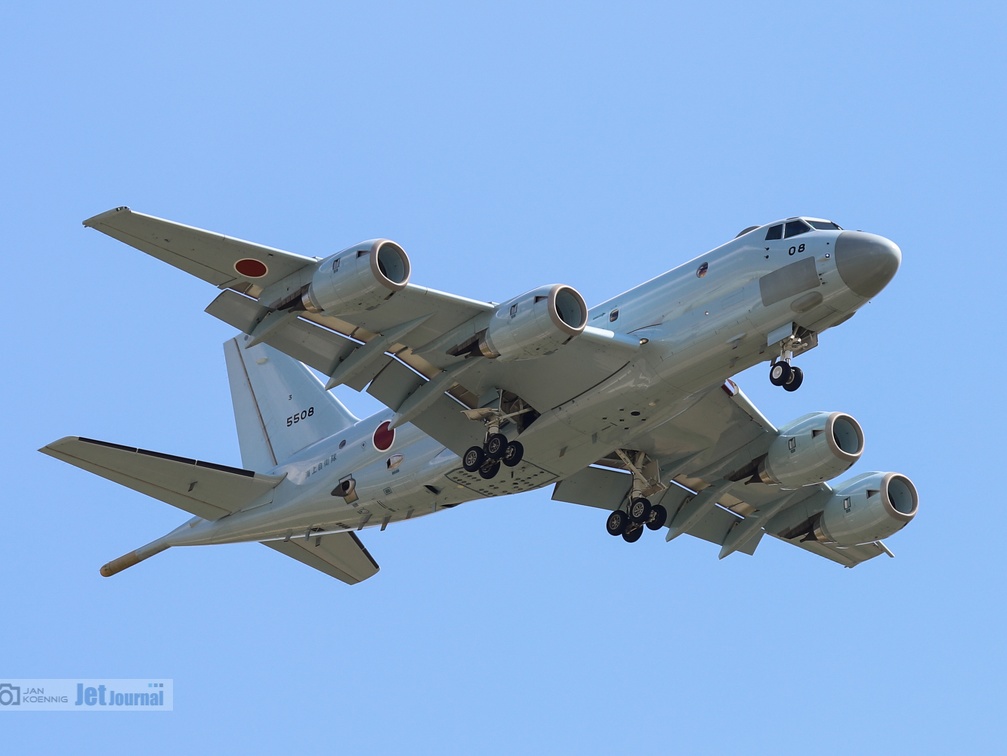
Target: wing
{"type": "Point", "coordinates": [706, 455]}
{"type": "Point", "coordinates": [223, 261]}
{"type": "Point", "coordinates": [411, 351]}
{"type": "Point", "coordinates": [340, 555]}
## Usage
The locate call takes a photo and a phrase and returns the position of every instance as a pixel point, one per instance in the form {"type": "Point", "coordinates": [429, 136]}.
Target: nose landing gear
{"type": "Point", "coordinates": [781, 372]}
{"type": "Point", "coordinates": [784, 374]}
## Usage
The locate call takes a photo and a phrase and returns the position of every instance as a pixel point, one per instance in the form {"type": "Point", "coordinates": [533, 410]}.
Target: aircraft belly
{"type": "Point", "coordinates": [524, 477]}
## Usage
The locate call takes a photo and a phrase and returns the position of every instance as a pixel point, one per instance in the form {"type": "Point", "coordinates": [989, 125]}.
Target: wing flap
{"type": "Point", "coordinates": [442, 418]}
{"type": "Point", "coordinates": [848, 556]}
{"type": "Point", "coordinates": [305, 341]}
{"type": "Point", "coordinates": [204, 489]}
{"type": "Point", "coordinates": [443, 313]}
{"type": "Point", "coordinates": [339, 555]}
{"type": "Point", "coordinates": [607, 489]}
{"type": "Point", "coordinates": [210, 256]}
{"type": "Point", "coordinates": [594, 487]}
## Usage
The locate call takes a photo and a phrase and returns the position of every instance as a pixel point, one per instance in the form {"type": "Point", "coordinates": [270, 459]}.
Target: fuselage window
{"type": "Point", "coordinates": [796, 227]}
{"type": "Point", "coordinates": [775, 232]}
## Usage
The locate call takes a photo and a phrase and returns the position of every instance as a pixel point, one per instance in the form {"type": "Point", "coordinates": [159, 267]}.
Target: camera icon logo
{"type": "Point", "coordinates": [10, 695]}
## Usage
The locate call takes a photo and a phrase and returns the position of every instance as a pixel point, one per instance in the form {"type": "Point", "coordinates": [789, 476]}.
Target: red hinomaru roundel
{"type": "Point", "coordinates": [250, 268]}
{"type": "Point", "coordinates": [384, 437]}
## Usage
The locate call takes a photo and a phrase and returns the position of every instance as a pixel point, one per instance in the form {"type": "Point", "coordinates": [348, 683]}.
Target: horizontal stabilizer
{"type": "Point", "coordinates": [340, 555]}
{"type": "Point", "coordinates": [204, 489]}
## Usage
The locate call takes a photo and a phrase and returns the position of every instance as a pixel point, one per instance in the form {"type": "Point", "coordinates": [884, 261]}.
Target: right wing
{"type": "Point", "coordinates": [213, 257]}
{"type": "Point", "coordinates": [410, 351]}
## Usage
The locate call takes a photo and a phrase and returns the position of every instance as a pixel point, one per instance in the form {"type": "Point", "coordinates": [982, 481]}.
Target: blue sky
{"type": "Point", "coordinates": [504, 147]}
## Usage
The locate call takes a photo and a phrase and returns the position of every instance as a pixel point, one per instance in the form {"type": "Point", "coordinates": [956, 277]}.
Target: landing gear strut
{"type": "Point", "coordinates": [640, 513]}
{"type": "Point", "coordinates": [781, 372]}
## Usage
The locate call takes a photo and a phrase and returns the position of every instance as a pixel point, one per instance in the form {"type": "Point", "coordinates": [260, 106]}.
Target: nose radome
{"type": "Point", "coordinates": [866, 262]}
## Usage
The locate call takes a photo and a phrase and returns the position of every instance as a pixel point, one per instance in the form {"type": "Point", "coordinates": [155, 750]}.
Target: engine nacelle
{"type": "Point", "coordinates": [357, 278]}
{"type": "Point", "coordinates": [867, 508]}
{"type": "Point", "coordinates": [812, 449]}
{"type": "Point", "coordinates": [535, 324]}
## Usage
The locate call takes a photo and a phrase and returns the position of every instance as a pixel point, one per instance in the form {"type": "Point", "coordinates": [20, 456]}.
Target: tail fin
{"type": "Point", "coordinates": [280, 407]}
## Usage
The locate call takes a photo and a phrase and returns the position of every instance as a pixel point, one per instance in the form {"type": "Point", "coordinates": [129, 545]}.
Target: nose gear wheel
{"type": "Point", "coordinates": [781, 372]}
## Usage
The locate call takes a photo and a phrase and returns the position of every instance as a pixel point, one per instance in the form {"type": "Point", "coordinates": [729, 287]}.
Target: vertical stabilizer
{"type": "Point", "coordinates": [280, 407]}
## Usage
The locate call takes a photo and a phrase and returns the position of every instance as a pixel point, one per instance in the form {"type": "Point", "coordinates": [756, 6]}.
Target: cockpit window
{"type": "Point", "coordinates": [796, 227]}
{"type": "Point", "coordinates": [775, 232]}
{"type": "Point", "coordinates": [825, 225]}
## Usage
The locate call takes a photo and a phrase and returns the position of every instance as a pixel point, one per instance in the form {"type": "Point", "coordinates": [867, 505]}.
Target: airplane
{"type": "Point", "coordinates": [628, 406]}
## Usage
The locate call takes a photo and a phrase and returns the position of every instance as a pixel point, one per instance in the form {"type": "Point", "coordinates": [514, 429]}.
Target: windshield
{"type": "Point", "coordinates": [825, 225]}
{"type": "Point", "coordinates": [796, 227]}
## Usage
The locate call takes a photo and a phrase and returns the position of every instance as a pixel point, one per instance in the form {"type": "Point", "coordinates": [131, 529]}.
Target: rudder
{"type": "Point", "coordinates": [280, 407]}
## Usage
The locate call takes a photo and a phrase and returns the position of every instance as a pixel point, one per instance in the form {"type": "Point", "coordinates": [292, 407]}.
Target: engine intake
{"type": "Point", "coordinates": [867, 508]}
{"type": "Point", "coordinates": [534, 324]}
{"type": "Point", "coordinates": [812, 449]}
{"type": "Point", "coordinates": [357, 278]}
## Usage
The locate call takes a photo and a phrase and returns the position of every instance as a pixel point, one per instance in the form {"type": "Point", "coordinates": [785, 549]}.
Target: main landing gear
{"type": "Point", "coordinates": [496, 450]}
{"type": "Point", "coordinates": [640, 513]}
{"type": "Point", "coordinates": [781, 372]}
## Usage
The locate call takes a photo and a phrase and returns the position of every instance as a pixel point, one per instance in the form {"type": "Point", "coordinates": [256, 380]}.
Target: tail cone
{"type": "Point", "coordinates": [133, 557]}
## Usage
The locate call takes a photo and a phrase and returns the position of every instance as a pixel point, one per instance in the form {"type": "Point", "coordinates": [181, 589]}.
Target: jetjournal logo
{"type": "Point", "coordinates": [86, 695]}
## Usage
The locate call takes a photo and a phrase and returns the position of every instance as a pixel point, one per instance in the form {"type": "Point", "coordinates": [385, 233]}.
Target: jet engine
{"type": "Point", "coordinates": [534, 324]}
{"type": "Point", "coordinates": [357, 278]}
{"type": "Point", "coordinates": [867, 508]}
{"type": "Point", "coordinates": [812, 449]}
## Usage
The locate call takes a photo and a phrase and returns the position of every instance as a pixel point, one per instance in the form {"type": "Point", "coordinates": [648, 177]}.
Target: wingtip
{"type": "Point", "coordinates": [97, 219]}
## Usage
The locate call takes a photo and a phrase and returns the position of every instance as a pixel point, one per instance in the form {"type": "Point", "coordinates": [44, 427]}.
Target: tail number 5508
{"type": "Point", "coordinates": [298, 416]}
